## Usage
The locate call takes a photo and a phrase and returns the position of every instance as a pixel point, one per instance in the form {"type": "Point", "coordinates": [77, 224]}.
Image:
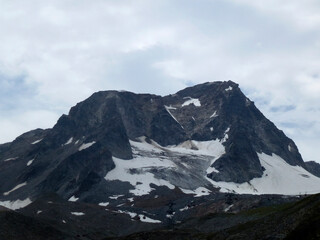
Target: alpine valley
{"type": "Point", "coordinates": [203, 163]}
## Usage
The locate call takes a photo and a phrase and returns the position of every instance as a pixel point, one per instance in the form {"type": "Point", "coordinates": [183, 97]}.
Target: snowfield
{"type": "Point", "coordinates": [167, 161]}
{"type": "Point", "coordinates": [278, 178]}
{"type": "Point", "coordinates": [186, 166]}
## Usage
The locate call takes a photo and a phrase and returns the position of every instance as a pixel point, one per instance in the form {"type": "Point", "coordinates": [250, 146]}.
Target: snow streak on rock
{"type": "Point", "coordinates": [168, 110]}
{"type": "Point", "coordinates": [10, 159]}
{"type": "Point", "coordinates": [35, 142]}
{"type": "Point", "coordinates": [73, 199]}
{"type": "Point", "coordinates": [30, 162]}
{"type": "Point", "coordinates": [69, 141]}
{"type": "Point", "coordinates": [86, 145]}
{"type": "Point", "coordinates": [15, 188]}
{"type": "Point", "coordinates": [77, 213]}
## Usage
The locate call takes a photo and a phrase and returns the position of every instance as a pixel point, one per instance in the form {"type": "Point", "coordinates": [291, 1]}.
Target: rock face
{"type": "Point", "coordinates": [211, 131]}
{"type": "Point", "coordinates": [313, 167]}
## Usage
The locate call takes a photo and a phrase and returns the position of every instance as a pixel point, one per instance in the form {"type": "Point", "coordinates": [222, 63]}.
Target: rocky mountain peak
{"type": "Point", "coordinates": [201, 140]}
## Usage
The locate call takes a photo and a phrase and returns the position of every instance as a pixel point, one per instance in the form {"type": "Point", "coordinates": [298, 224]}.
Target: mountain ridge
{"type": "Point", "coordinates": [214, 122]}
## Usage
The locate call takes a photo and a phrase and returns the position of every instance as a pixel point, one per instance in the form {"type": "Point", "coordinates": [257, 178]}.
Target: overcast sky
{"type": "Point", "coordinates": [54, 54]}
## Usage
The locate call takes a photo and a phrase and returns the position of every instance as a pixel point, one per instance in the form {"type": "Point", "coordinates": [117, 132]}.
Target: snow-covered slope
{"type": "Point", "coordinates": [154, 164]}
{"type": "Point", "coordinates": [184, 166]}
{"type": "Point", "coordinates": [279, 178]}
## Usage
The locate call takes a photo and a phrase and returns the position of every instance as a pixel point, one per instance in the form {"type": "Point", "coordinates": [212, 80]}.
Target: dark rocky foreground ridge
{"type": "Point", "coordinates": [121, 163]}
{"type": "Point", "coordinates": [255, 217]}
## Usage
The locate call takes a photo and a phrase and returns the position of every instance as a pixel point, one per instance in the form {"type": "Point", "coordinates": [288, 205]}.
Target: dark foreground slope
{"type": "Point", "coordinates": [16, 226]}
{"type": "Point", "coordinates": [290, 221]}
{"type": "Point", "coordinates": [251, 217]}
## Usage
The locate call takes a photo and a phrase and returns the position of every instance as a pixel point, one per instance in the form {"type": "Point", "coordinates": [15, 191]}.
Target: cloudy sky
{"type": "Point", "coordinates": [54, 54]}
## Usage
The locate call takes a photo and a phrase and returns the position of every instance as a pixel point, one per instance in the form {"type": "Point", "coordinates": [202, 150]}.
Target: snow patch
{"type": "Point", "coordinates": [228, 89]}
{"type": "Point", "coordinates": [228, 208]}
{"type": "Point", "coordinates": [196, 102]}
{"type": "Point", "coordinates": [200, 191]}
{"type": "Point", "coordinates": [142, 217]}
{"type": "Point", "coordinates": [69, 141]}
{"type": "Point", "coordinates": [39, 211]}
{"type": "Point", "coordinates": [103, 204]}
{"type": "Point", "coordinates": [10, 159]}
{"type": "Point", "coordinates": [184, 209]}
{"type": "Point", "coordinates": [290, 148]}
{"type": "Point", "coordinates": [135, 172]}
{"type": "Point", "coordinates": [35, 142]}
{"type": "Point", "coordinates": [86, 145]}
{"type": "Point", "coordinates": [30, 162]}
{"type": "Point", "coordinates": [226, 136]}
{"type": "Point", "coordinates": [115, 196]}
{"type": "Point", "coordinates": [212, 169]}
{"type": "Point", "coordinates": [77, 213]}
{"type": "Point", "coordinates": [15, 188]}
{"type": "Point", "coordinates": [211, 129]}
{"type": "Point", "coordinates": [13, 205]}
{"type": "Point", "coordinates": [73, 199]}
{"type": "Point", "coordinates": [214, 115]}
{"type": "Point", "coordinates": [170, 107]}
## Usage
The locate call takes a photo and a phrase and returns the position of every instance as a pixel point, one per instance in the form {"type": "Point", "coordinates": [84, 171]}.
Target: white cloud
{"type": "Point", "coordinates": [302, 14]}
{"type": "Point", "coordinates": [55, 54]}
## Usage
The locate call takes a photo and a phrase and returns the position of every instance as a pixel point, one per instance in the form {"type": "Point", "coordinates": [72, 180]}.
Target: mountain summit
{"type": "Point", "coordinates": [199, 141]}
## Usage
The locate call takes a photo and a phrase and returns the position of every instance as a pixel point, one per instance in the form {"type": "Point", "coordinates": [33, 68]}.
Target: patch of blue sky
{"type": "Point", "coordinates": [283, 108]}
{"type": "Point", "coordinates": [14, 92]}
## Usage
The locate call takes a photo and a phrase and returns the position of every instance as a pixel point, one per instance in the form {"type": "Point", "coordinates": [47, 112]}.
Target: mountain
{"type": "Point", "coordinates": [149, 161]}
